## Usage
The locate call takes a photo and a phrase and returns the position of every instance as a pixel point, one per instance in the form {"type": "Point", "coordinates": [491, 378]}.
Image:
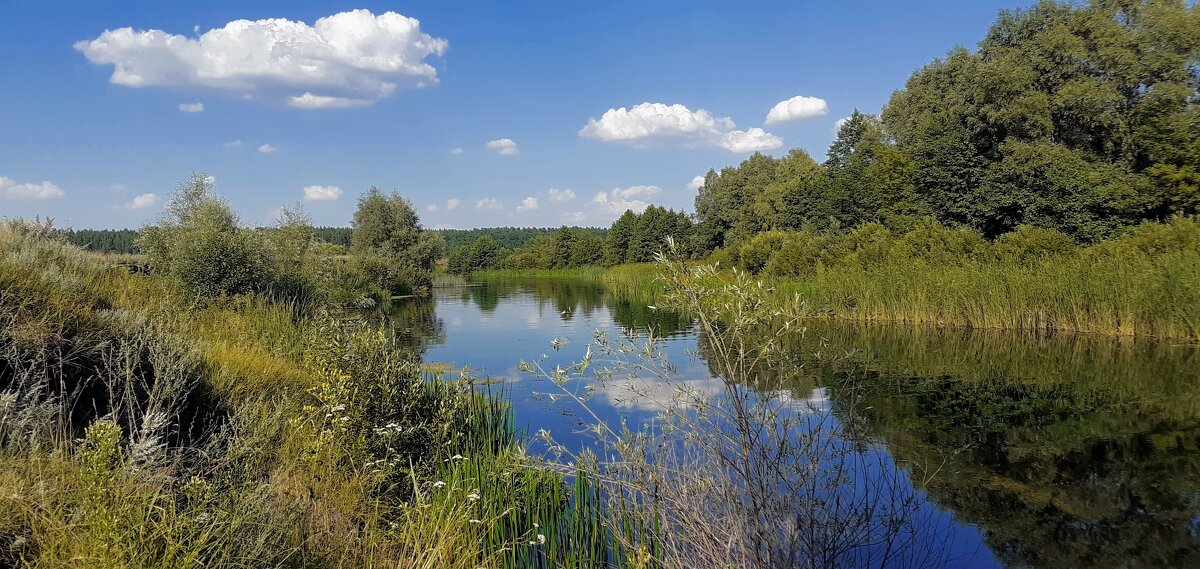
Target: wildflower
{"type": "Point", "coordinates": [439, 484]}
{"type": "Point", "coordinates": [475, 521]}
{"type": "Point", "coordinates": [473, 496]}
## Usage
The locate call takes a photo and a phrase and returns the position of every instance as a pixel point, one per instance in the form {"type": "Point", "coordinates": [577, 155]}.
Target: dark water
{"type": "Point", "coordinates": [1025, 452]}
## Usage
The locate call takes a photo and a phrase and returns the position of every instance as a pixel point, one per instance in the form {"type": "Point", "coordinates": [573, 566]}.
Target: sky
{"type": "Point", "coordinates": [481, 114]}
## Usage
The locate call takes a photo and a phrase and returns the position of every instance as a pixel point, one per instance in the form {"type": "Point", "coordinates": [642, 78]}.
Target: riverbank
{"type": "Point", "coordinates": [1144, 284]}
{"type": "Point", "coordinates": [143, 427]}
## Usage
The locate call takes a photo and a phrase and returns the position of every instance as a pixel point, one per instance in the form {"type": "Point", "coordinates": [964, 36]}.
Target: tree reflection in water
{"type": "Point", "coordinates": [1064, 451]}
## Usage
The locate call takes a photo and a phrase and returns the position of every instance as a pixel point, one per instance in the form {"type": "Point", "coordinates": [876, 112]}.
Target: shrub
{"type": "Point", "coordinates": [198, 240]}
{"type": "Point", "coordinates": [1028, 243]}
{"type": "Point", "coordinates": [754, 254]}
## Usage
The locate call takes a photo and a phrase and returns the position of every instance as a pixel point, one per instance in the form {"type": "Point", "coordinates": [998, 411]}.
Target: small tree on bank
{"type": "Point", "coordinates": [198, 240]}
{"type": "Point", "coordinates": [389, 247]}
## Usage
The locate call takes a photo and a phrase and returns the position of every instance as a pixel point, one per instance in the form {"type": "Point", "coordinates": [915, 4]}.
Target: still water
{"type": "Point", "coordinates": [1047, 452]}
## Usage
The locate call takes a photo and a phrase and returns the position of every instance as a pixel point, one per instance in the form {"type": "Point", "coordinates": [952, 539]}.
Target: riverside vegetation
{"type": "Point", "coordinates": [233, 404]}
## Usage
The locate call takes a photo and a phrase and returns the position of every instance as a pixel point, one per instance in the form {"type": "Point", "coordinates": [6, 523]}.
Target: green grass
{"type": "Point", "coordinates": [141, 426]}
{"type": "Point", "coordinates": [1146, 283]}
{"type": "Point", "coordinates": [572, 273]}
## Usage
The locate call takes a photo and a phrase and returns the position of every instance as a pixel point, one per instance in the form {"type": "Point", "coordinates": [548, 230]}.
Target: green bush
{"type": "Point", "coordinates": [1028, 243]}
{"type": "Point", "coordinates": [754, 254]}
{"type": "Point", "coordinates": [199, 241]}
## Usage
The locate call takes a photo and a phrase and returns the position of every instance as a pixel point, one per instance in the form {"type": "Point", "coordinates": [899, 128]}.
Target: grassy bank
{"type": "Point", "coordinates": [141, 426]}
{"type": "Point", "coordinates": [1145, 283]}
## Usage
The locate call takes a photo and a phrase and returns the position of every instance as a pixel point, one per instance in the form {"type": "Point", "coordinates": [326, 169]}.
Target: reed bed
{"type": "Point", "coordinates": [1145, 283]}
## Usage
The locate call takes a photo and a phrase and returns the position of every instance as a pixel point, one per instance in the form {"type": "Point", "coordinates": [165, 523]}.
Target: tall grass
{"type": "Point", "coordinates": [1145, 283]}
{"type": "Point", "coordinates": [573, 273]}
{"type": "Point", "coordinates": [141, 426]}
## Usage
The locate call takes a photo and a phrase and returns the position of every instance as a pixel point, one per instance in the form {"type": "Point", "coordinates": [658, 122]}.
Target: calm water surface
{"type": "Point", "coordinates": [1026, 452]}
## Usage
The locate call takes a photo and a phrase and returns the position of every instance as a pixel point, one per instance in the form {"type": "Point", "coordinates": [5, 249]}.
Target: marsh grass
{"type": "Point", "coordinates": [1145, 283]}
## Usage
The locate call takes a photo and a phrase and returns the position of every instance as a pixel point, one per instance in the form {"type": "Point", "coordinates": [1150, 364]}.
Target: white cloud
{"type": "Point", "coordinates": [618, 200]}
{"type": "Point", "coordinates": [575, 217]}
{"type": "Point", "coordinates": [658, 124]}
{"type": "Point", "coordinates": [348, 59]}
{"type": "Point", "coordinates": [191, 107]}
{"type": "Point", "coordinates": [456, 151]}
{"type": "Point", "coordinates": [233, 144]}
{"type": "Point", "coordinates": [322, 193]}
{"type": "Point", "coordinates": [696, 183]}
{"type": "Point", "coordinates": [503, 146]}
{"type": "Point", "coordinates": [797, 108]}
{"type": "Point", "coordinates": [433, 208]}
{"type": "Point", "coordinates": [453, 203]}
{"type": "Point", "coordinates": [489, 203]}
{"type": "Point", "coordinates": [267, 149]}
{"type": "Point", "coordinates": [752, 140]}
{"type": "Point", "coordinates": [43, 191]}
{"type": "Point", "coordinates": [557, 195]}
{"type": "Point", "coordinates": [143, 201]}
{"type": "Point", "coordinates": [311, 101]}
{"type": "Point", "coordinates": [529, 204]}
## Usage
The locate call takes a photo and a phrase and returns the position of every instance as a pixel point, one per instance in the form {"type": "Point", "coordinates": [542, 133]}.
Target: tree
{"type": "Point", "coordinates": [1094, 97]}
{"type": "Point", "coordinates": [388, 244]}
{"type": "Point", "coordinates": [564, 244]}
{"type": "Point", "coordinates": [199, 241]}
{"type": "Point", "coordinates": [616, 244]}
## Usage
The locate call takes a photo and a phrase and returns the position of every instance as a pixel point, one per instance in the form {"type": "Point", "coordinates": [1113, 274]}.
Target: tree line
{"type": "Point", "coordinates": [1079, 119]}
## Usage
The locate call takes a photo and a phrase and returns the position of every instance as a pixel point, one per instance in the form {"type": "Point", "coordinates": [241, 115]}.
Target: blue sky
{"type": "Point", "coordinates": [396, 97]}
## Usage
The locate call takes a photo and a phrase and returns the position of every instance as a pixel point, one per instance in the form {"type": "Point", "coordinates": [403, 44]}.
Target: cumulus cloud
{"type": "Point", "coordinates": [503, 146]}
{"type": "Point", "coordinates": [453, 203]}
{"type": "Point", "coordinates": [529, 204]}
{"type": "Point", "coordinates": [658, 124]}
{"type": "Point", "coordinates": [575, 217]}
{"type": "Point", "coordinates": [322, 193]}
{"type": "Point", "coordinates": [696, 183]}
{"type": "Point", "coordinates": [433, 208]}
{"type": "Point", "coordinates": [348, 59]}
{"type": "Point", "coordinates": [233, 144]}
{"type": "Point", "coordinates": [797, 108]}
{"type": "Point", "coordinates": [617, 200]}
{"type": "Point", "coordinates": [557, 195]}
{"type": "Point", "coordinates": [267, 149]}
{"type": "Point", "coordinates": [488, 203]}
{"type": "Point", "coordinates": [456, 151]}
{"type": "Point", "coordinates": [9, 188]}
{"type": "Point", "coordinates": [143, 201]}
{"type": "Point", "coordinates": [191, 107]}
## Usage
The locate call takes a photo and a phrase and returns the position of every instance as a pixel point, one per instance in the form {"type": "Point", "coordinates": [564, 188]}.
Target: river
{"type": "Point", "coordinates": [1062, 451]}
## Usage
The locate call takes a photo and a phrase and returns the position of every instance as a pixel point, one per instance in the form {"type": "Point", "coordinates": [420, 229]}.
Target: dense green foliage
{"type": "Point", "coordinates": [633, 238]}
{"type": "Point", "coordinates": [199, 240]}
{"type": "Point", "coordinates": [1081, 119]}
{"type": "Point", "coordinates": [389, 246]}
{"type": "Point", "coordinates": [506, 237]}
{"type": "Point", "coordinates": [104, 240]}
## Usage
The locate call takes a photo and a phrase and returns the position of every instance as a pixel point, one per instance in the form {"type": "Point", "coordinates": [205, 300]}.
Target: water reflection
{"type": "Point", "coordinates": [1064, 451]}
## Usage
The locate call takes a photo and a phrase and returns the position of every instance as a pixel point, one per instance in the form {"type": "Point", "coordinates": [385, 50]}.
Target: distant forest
{"type": "Point", "coordinates": [123, 240]}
